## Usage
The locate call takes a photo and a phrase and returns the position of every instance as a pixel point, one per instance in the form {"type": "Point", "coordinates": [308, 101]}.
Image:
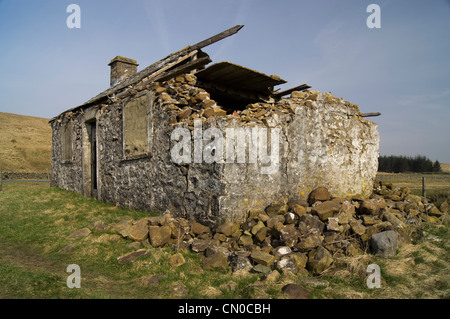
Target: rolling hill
{"type": "Point", "coordinates": [445, 167]}
{"type": "Point", "coordinates": [25, 143]}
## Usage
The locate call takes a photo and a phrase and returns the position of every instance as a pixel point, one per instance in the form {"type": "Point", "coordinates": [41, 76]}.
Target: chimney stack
{"type": "Point", "coordinates": [121, 69]}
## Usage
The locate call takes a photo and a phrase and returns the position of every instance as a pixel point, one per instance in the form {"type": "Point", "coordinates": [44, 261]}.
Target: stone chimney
{"type": "Point", "coordinates": [121, 69]}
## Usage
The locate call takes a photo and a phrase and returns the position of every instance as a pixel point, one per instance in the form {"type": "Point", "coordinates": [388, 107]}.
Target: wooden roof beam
{"type": "Point", "coordinates": [216, 38]}
{"type": "Point", "coordinates": [370, 114]}
{"type": "Point", "coordinates": [286, 92]}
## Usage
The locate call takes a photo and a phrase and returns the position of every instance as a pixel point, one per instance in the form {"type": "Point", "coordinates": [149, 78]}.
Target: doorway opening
{"type": "Point", "coordinates": [92, 166]}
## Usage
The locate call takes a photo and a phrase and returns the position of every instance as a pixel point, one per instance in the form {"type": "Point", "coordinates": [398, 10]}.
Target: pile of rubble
{"type": "Point", "coordinates": [186, 102]}
{"type": "Point", "coordinates": [295, 235]}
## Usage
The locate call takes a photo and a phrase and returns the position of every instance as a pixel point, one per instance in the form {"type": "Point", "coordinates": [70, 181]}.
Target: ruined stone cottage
{"type": "Point", "coordinates": [211, 142]}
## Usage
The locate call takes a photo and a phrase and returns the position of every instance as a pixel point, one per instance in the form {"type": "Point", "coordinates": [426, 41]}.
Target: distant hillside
{"type": "Point", "coordinates": [25, 143]}
{"type": "Point", "coordinates": [445, 167]}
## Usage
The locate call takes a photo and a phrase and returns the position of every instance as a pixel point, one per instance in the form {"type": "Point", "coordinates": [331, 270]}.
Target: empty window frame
{"type": "Point", "coordinates": [135, 128]}
{"type": "Point", "coordinates": [67, 142]}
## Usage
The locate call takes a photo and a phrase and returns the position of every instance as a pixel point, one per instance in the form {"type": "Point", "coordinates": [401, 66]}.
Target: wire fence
{"type": "Point", "coordinates": [412, 177]}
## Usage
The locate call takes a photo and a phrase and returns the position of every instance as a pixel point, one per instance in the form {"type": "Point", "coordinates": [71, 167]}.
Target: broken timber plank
{"type": "Point", "coordinates": [185, 68]}
{"type": "Point", "coordinates": [216, 38]}
{"type": "Point", "coordinates": [170, 65]}
{"type": "Point", "coordinates": [297, 88]}
{"type": "Point", "coordinates": [370, 114]}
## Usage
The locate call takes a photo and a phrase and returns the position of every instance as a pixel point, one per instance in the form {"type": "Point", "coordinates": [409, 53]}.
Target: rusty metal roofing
{"type": "Point", "coordinates": [238, 76]}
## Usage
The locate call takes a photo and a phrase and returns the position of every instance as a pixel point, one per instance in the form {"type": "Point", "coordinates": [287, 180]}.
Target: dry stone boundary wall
{"type": "Point", "coordinates": [24, 176]}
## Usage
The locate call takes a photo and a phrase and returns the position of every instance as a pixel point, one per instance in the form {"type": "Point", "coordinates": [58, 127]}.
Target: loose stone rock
{"type": "Point", "coordinates": [445, 207]}
{"type": "Point", "coordinates": [319, 260]}
{"type": "Point", "coordinates": [245, 240]}
{"type": "Point", "coordinates": [301, 259]}
{"type": "Point", "coordinates": [262, 258]}
{"type": "Point", "coordinates": [310, 241]}
{"type": "Point", "coordinates": [318, 194]}
{"type": "Point", "coordinates": [369, 207]}
{"type": "Point", "coordinates": [261, 269]}
{"type": "Point", "coordinates": [385, 244]}
{"type": "Point", "coordinates": [287, 264]}
{"type": "Point", "coordinates": [357, 227]}
{"type": "Point", "coordinates": [257, 227]}
{"type": "Point", "coordinates": [281, 251]}
{"type": "Point", "coordinates": [200, 245]}
{"type": "Point", "coordinates": [216, 261]}
{"type": "Point", "coordinates": [290, 218]}
{"type": "Point", "coordinates": [272, 276]}
{"type": "Point", "coordinates": [333, 224]}
{"type": "Point", "coordinates": [130, 257]}
{"type": "Point", "coordinates": [176, 260]}
{"type": "Point", "coordinates": [309, 222]}
{"type": "Point", "coordinates": [326, 210]}
{"type": "Point", "coordinates": [391, 217]}
{"type": "Point", "coordinates": [99, 226]}
{"type": "Point", "coordinates": [80, 233]}
{"type": "Point", "coordinates": [199, 229]}
{"type": "Point", "coordinates": [178, 289]}
{"type": "Point", "coordinates": [276, 209]}
{"type": "Point", "coordinates": [274, 221]}
{"type": "Point", "coordinates": [105, 238]}
{"type": "Point", "coordinates": [159, 235]}
{"type": "Point", "coordinates": [295, 291]}
{"type": "Point", "coordinates": [299, 210]}
{"type": "Point", "coordinates": [228, 228]}
{"type": "Point", "coordinates": [212, 249]}
{"type": "Point", "coordinates": [151, 281]}
{"type": "Point", "coordinates": [122, 225]}
{"type": "Point", "coordinates": [261, 235]}
{"type": "Point", "coordinates": [289, 235]}
{"type": "Point", "coordinates": [139, 231]}
{"type": "Point", "coordinates": [240, 263]}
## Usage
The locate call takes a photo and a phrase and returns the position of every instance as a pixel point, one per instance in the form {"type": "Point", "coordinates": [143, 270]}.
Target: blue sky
{"type": "Point", "coordinates": [401, 70]}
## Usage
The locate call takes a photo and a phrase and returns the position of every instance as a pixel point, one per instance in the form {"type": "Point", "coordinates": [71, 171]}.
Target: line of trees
{"type": "Point", "coordinates": [399, 164]}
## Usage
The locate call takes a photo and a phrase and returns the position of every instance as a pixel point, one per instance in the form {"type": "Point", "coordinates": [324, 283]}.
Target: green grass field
{"type": "Point", "coordinates": [35, 221]}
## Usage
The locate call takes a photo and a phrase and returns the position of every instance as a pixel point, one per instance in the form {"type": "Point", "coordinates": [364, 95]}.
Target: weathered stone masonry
{"type": "Point", "coordinates": [324, 141]}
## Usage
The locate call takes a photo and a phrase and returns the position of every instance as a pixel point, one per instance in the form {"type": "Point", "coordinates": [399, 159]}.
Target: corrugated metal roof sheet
{"type": "Point", "coordinates": [238, 76]}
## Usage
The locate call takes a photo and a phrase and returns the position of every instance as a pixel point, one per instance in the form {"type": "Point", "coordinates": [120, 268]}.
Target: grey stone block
{"type": "Point", "coordinates": [385, 244]}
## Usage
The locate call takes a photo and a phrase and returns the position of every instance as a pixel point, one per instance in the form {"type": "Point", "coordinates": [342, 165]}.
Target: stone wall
{"type": "Point", "coordinates": [323, 141]}
{"type": "Point", "coordinates": [24, 175]}
{"type": "Point", "coordinates": [67, 174]}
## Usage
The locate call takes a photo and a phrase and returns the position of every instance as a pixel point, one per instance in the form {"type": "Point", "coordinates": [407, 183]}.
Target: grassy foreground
{"type": "Point", "coordinates": [36, 220]}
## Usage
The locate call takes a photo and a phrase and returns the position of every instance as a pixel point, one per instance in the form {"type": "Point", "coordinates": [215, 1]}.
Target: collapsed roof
{"type": "Point", "coordinates": [233, 85]}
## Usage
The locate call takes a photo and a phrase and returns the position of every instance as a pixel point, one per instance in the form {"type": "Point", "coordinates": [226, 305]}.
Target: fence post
{"type": "Point", "coordinates": [423, 187]}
